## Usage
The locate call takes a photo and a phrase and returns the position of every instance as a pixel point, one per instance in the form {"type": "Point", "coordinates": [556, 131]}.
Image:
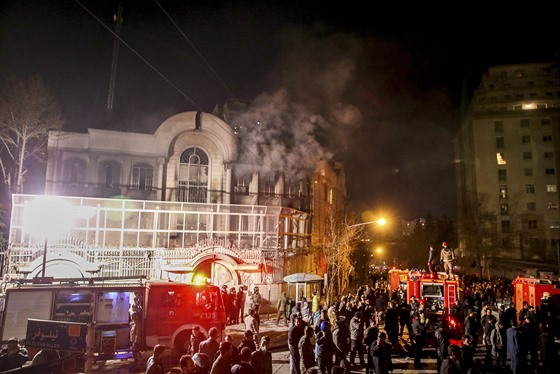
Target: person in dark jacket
{"type": "Point", "coordinates": [244, 367]}
{"type": "Point", "coordinates": [513, 347]}
{"type": "Point", "coordinates": [197, 337]}
{"type": "Point", "coordinates": [324, 347]}
{"type": "Point", "coordinates": [261, 359]}
{"type": "Point", "coordinates": [306, 350]}
{"type": "Point", "coordinates": [371, 334]}
{"type": "Point", "coordinates": [442, 343]}
{"type": "Point", "coordinates": [392, 322]}
{"type": "Point", "coordinates": [405, 319]}
{"type": "Point", "coordinates": [452, 364]}
{"type": "Point", "coordinates": [548, 351]}
{"type": "Point", "coordinates": [248, 341]}
{"type": "Point", "coordinates": [381, 351]}
{"type": "Point", "coordinates": [419, 331]}
{"type": "Point", "coordinates": [211, 345]}
{"type": "Point", "coordinates": [222, 365]}
{"type": "Point", "coordinates": [13, 356]}
{"type": "Point", "coordinates": [341, 339]}
{"type": "Point", "coordinates": [295, 333]}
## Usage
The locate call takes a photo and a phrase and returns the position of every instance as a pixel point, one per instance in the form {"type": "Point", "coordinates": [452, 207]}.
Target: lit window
{"type": "Point", "coordinates": [554, 224]}
{"type": "Point", "coordinates": [552, 206]}
{"type": "Point", "coordinates": [504, 209]}
{"type": "Point", "coordinates": [503, 191]}
{"type": "Point", "coordinates": [529, 188]}
{"type": "Point", "coordinates": [550, 188]}
{"type": "Point", "coordinates": [500, 158]}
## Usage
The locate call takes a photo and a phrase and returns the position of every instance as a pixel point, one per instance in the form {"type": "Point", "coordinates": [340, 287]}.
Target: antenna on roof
{"type": "Point", "coordinates": [118, 19]}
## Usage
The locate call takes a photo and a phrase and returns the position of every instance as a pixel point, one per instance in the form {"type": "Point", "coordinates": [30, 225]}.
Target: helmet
{"type": "Point", "coordinates": [324, 325]}
{"type": "Point", "coordinates": [546, 295]}
{"type": "Point", "coordinates": [444, 244]}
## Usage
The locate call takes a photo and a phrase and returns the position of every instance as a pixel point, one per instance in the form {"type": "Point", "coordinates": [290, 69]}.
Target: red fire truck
{"type": "Point", "coordinates": [167, 310]}
{"type": "Point", "coordinates": [532, 289]}
{"type": "Point", "coordinates": [435, 291]}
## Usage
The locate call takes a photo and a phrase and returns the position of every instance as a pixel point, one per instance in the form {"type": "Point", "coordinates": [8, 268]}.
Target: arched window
{"type": "Point", "coordinates": [109, 174]}
{"type": "Point", "coordinates": [73, 171]}
{"type": "Point", "coordinates": [193, 176]}
{"type": "Point", "coordinates": [142, 177]}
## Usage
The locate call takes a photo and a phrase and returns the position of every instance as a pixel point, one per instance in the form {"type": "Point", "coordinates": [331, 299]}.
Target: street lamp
{"type": "Point", "coordinates": [380, 221]}
{"type": "Point", "coordinates": [47, 218]}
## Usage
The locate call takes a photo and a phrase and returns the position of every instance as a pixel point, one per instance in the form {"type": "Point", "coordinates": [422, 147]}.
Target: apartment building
{"type": "Point", "coordinates": [507, 165]}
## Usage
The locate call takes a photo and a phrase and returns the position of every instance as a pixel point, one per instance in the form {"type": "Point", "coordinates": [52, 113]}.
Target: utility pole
{"type": "Point", "coordinates": [118, 19]}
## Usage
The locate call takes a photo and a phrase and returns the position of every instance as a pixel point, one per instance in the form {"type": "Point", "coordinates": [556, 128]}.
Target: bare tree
{"type": "Point", "coordinates": [27, 114]}
{"type": "Point", "coordinates": [336, 248]}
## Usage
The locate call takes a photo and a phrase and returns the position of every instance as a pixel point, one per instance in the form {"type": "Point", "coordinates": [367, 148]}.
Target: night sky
{"type": "Point", "coordinates": [385, 103]}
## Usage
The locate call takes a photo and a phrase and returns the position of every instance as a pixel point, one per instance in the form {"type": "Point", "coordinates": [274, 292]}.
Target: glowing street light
{"type": "Point", "coordinates": [380, 222]}
{"type": "Point", "coordinates": [47, 218]}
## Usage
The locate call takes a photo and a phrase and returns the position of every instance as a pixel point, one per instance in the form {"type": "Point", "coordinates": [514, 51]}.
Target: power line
{"type": "Point", "coordinates": [140, 57]}
{"type": "Point", "coordinates": [195, 49]}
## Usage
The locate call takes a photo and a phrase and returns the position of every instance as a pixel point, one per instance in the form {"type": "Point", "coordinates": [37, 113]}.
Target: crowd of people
{"type": "Point", "coordinates": [366, 329]}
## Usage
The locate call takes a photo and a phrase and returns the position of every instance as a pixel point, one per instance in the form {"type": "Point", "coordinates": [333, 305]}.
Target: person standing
{"type": "Point", "coordinates": [381, 351]}
{"type": "Point", "coordinates": [256, 299]}
{"type": "Point", "coordinates": [341, 339]}
{"type": "Point", "coordinates": [513, 347]}
{"type": "Point", "coordinates": [315, 303]}
{"type": "Point", "coordinates": [431, 260]}
{"type": "Point", "coordinates": [392, 322]}
{"type": "Point", "coordinates": [135, 340]}
{"type": "Point", "coordinates": [248, 341]}
{"type": "Point", "coordinates": [452, 364]}
{"type": "Point", "coordinates": [306, 350]}
{"type": "Point", "coordinates": [357, 339]}
{"type": "Point", "coordinates": [240, 301]}
{"type": "Point", "coordinates": [442, 344]}
{"type": "Point", "coordinates": [419, 331]}
{"type": "Point", "coordinates": [197, 337]}
{"type": "Point", "coordinates": [447, 257]}
{"type": "Point", "coordinates": [222, 365]}
{"type": "Point", "coordinates": [244, 367]}
{"type": "Point", "coordinates": [281, 307]}
{"type": "Point", "coordinates": [370, 335]}
{"type": "Point", "coordinates": [261, 359]}
{"type": "Point", "coordinates": [498, 338]}
{"type": "Point", "coordinates": [211, 345]}
{"type": "Point", "coordinates": [548, 350]}
{"type": "Point", "coordinates": [13, 356]}
{"type": "Point", "coordinates": [155, 364]}
{"type": "Point", "coordinates": [252, 324]}
{"type": "Point", "coordinates": [295, 333]}
{"type": "Point", "coordinates": [324, 347]}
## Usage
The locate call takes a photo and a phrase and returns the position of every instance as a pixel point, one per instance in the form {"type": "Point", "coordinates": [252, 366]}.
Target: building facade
{"type": "Point", "coordinates": [170, 205]}
{"type": "Point", "coordinates": [507, 165]}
